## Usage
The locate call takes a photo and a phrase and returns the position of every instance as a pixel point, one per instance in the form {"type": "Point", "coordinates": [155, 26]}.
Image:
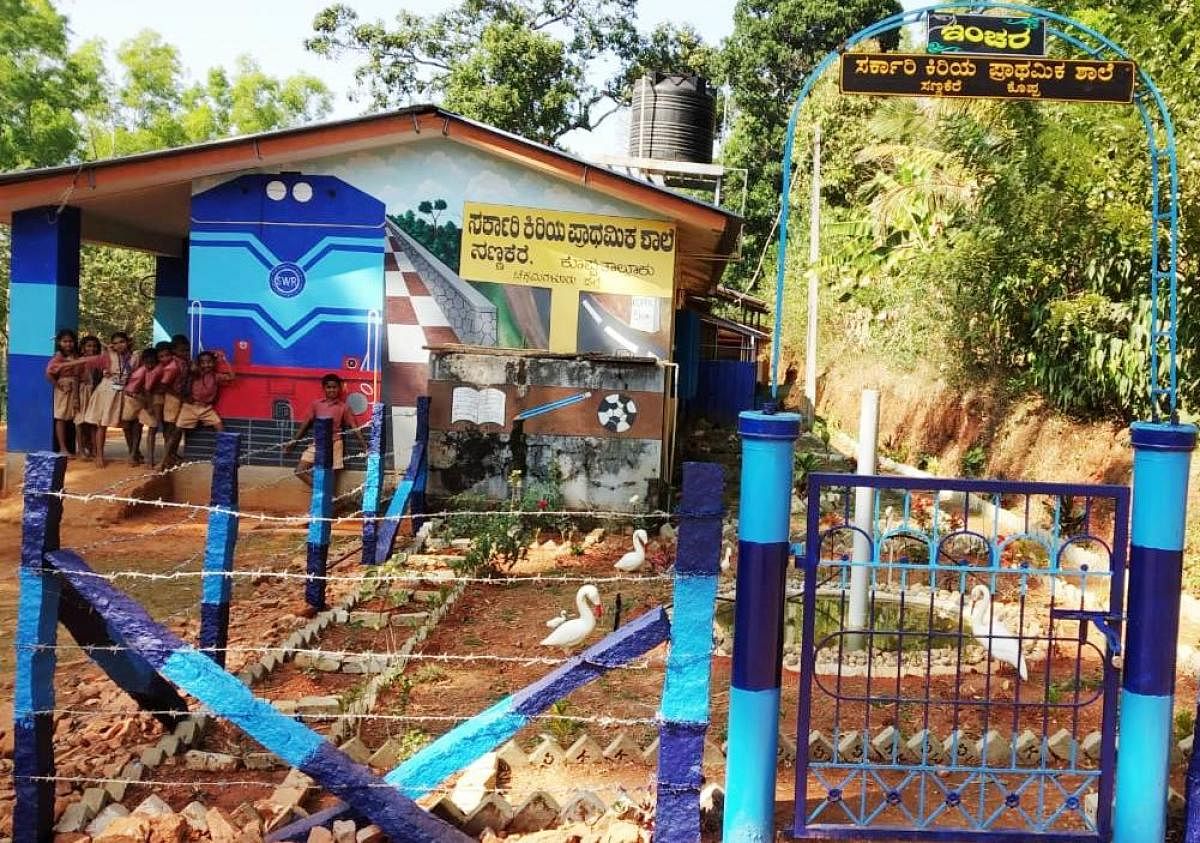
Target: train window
{"type": "Point", "coordinates": [276, 190]}
{"type": "Point", "coordinates": [302, 191]}
{"type": "Point", "coordinates": [281, 410]}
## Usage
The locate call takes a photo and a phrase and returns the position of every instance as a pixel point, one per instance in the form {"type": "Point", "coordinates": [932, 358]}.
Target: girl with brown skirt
{"type": "Point", "coordinates": [87, 380]}
{"type": "Point", "coordinates": [64, 376]}
{"type": "Point", "coordinates": [105, 409]}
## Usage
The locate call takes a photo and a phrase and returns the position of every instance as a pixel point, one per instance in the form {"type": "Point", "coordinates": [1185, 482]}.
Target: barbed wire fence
{"type": "Point", "coordinates": [184, 573]}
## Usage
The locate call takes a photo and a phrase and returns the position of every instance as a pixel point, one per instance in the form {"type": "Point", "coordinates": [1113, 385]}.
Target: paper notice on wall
{"type": "Point", "coordinates": [478, 406]}
{"type": "Point", "coordinates": [643, 314]}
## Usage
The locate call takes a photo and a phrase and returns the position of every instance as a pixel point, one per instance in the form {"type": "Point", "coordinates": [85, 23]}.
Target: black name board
{"type": "Point", "coordinates": [1068, 80]}
{"type": "Point", "coordinates": [985, 34]}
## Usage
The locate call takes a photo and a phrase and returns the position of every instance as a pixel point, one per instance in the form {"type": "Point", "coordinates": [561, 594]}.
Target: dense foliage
{"type": "Point", "coordinates": [61, 106]}
{"type": "Point", "coordinates": [1008, 240]}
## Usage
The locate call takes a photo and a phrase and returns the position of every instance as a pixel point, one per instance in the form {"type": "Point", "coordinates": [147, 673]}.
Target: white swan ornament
{"type": "Point", "coordinates": [666, 533]}
{"type": "Point", "coordinates": [636, 558]}
{"type": "Point", "coordinates": [569, 633]}
{"type": "Point", "coordinates": [558, 620]}
{"type": "Point", "coordinates": [984, 626]}
{"type": "Point", "coordinates": [725, 558]}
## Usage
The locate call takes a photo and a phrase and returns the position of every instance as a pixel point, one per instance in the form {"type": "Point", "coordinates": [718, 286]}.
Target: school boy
{"type": "Point", "coordinates": [331, 406]}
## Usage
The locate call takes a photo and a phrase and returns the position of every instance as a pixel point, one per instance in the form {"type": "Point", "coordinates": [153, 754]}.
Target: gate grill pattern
{"type": "Point", "coordinates": [960, 638]}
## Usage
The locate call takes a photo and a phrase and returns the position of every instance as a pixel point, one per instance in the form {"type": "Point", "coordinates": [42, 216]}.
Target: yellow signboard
{"type": "Point", "coordinates": [569, 254]}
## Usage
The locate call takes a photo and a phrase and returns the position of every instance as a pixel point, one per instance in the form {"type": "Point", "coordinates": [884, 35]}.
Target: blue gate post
{"type": "Point", "coordinates": [764, 529]}
{"type": "Point", "coordinates": [1161, 459]}
{"type": "Point", "coordinates": [373, 488]}
{"type": "Point", "coordinates": [37, 628]}
{"type": "Point", "coordinates": [321, 511]}
{"type": "Point", "coordinates": [217, 584]}
{"type": "Point", "coordinates": [683, 714]}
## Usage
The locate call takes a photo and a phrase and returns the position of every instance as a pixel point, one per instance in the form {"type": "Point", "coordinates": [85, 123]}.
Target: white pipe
{"type": "Point", "coordinates": [814, 255]}
{"type": "Point", "coordinates": [864, 518]}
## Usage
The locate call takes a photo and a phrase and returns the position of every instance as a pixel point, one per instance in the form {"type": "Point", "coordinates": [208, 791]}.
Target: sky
{"type": "Point", "coordinates": [273, 32]}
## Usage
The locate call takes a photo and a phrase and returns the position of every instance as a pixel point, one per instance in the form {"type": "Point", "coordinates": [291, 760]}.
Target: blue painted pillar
{"type": "Point", "coordinates": [1161, 459]}
{"type": "Point", "coordinates": [43, 297]}
{"type": "Point", "coordinates": [217, 584]}
{"type": "Point", "coordinates": [420, 468]}
{"type": "Point", "coordinates": [37, 627]}
{"type": "Point", "coordinates": [321, 510]}
{"type": "Point", "coordinates": [170, 295]}
{"type": "Point", "coordinates": [764, 513]}
{"type": "Point", "coordinates": [373, 486]}
{"type": "Point", "coordinates": [683, 715]}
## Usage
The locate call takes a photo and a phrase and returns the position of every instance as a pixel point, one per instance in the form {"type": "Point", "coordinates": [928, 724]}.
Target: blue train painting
{"type": "Point", "coordinates": [285, 275]}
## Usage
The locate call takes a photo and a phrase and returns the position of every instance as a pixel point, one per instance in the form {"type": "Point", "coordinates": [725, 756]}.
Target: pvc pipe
{"type": "Point", "coordinates": [764, 526]}
{"type": "Point", "coordinates": [814, 256]}
{"type": "Point", "coordinates": [1162, 456]}
{"type": "Point", "coordinates": [864, 520]}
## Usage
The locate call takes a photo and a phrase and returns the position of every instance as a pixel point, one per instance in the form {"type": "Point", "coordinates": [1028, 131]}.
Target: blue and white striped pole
{"type": "Point", "coordinates": [764, 514]}
{"type": "Point", "coordinates": [1161, 459]}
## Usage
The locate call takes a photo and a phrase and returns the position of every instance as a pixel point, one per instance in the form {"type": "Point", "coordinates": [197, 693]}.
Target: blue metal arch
{"type": "Point", "coordinates": [1164, 219]}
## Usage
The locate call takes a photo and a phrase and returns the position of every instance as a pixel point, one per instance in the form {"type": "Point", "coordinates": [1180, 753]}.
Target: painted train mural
{"type": "Point", "coordinates": [286, 277]}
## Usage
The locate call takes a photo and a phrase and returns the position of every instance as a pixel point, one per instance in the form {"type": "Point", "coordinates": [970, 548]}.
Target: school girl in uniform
{"type": "Point", "coordinates": [106, 407]}
{"type": "Point", "coordinates": [86, 380]}
{"type": "Point", "coordinates": [136, 400]}
{"type": "Point", "coordinates": [65, 378]}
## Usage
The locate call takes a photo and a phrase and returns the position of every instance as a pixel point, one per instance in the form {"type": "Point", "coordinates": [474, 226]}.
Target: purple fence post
{"type": "Point", "coordinates": [420, 469]}
{"type": "Point", "coordinates": [373, 485]}
{"type": "Point", "coordinates": [683, 714]}
{"type": "Point", "coordinates": [37, 636]}
{"type": "Point", "coordinates": [217, 584]}
{"type": "Point", "coordinates": [321, 511]}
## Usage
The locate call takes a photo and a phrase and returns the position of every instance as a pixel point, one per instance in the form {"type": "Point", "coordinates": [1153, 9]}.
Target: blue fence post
{"type": "Point", "coordinates": [37, 628]}
{"type": "Point", "coordinates": [764, 528]}
{"type": "Point", "coordinates": [217, 582]}
{"type": "Point", "coordinates": [373, 486]}
{"type": "Point", "coordinates": [683, 714]}
{"type": "Point", "coordinates": [1161, 459]}
{"type": "Point", "coordinates": [321, 511]}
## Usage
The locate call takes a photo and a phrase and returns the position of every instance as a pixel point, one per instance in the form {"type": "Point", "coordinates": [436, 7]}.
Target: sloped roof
{"type": "Point", "coordinates": [141, 201]}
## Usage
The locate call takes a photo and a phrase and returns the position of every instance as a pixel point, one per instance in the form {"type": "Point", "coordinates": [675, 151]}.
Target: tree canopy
{"type": "Point", "coordinates": [540, 68]}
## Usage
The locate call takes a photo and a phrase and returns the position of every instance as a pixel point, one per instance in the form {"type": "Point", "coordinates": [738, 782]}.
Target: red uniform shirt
{"type": "Point", "coordinates": [337, 410]}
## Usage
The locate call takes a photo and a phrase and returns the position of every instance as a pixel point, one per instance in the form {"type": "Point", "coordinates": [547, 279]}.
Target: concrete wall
{"type": "Point", "coordinates": [601, 467]}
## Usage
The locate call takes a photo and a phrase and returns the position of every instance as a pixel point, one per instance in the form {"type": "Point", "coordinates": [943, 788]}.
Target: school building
{"type": "Point", "coordinates": [551, 308]}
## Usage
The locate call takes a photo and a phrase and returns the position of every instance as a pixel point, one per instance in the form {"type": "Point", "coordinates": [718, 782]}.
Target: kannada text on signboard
{"type": "Point", "coordinates": [985, 34]}
{"type": "Point", "coordinates": [544, 248]}
{"type": "Point", "coordinates": [1069, 80]}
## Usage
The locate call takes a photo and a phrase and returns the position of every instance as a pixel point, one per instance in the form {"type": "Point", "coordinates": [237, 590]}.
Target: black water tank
{"type": "Point", "coordinates": [672, 118]}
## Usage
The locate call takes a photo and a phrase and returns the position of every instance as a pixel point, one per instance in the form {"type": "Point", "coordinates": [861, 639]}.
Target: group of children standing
{"type": "Point", "coordinates": [163, 390]}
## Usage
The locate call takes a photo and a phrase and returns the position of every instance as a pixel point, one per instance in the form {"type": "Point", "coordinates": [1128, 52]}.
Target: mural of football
{"type": "Point", "coordinates": [617, 412]}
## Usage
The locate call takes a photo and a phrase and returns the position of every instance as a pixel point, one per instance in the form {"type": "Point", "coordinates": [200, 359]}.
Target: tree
{"type": "Point", "coordinates": [774, 46]}
{"type": "Point", "coordinates": [150, 104]}
{"type": "Point", "coordinates": [41, 86]}
{"type": "Point", "coordinates": [527, 66]}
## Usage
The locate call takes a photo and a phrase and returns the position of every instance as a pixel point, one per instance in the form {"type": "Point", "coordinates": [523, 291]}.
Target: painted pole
{"type": "Point", "coordinates": [864, 519]}
{"type": "Point", "coordinates": [37, 635]}
{"type": "Point", "coordinates": [814, 256]}
{"type": "Point", "coordinates": [1161, 459]}
{"type": "Point", "coordinates": [216, 583]}
{"type": "Point", "coordinates": [683, 713]}
{"type": "Point", "coordinates": [373, 486]}
{"type": "Point", "coordinates": [764, 528]}
{"type": "Point", "coordinates": [321, 510]}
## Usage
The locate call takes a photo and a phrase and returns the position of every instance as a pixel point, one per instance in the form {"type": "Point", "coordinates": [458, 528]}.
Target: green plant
{"type": "Point", "coordinates": [1185, 723]}
{"type": "Point", "coordinates": [803, 464]}
{"type": "Point", "coordinates": [974, 461]}
{"type": "Point", "coordinates": [412, 742]}
{"type": "Point", "coordinates": [564, 727]}
{"type": "Point", "coordinates": [929, 462]}
{"type": "Point", "coordinates": [499, 538]}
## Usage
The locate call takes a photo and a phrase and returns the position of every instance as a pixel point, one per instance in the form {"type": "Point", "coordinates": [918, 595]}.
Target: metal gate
{"type": "Point", "coordinates": [960, 659]}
